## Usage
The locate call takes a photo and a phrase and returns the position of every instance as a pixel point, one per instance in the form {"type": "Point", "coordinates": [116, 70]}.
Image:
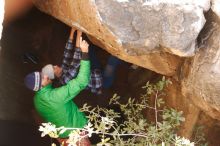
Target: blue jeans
{"type": "Point", "coordinates": [110, 70]}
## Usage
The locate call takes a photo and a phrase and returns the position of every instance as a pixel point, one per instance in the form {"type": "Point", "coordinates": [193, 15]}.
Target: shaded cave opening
{"type": "Point", "coordinates": [44, 37]}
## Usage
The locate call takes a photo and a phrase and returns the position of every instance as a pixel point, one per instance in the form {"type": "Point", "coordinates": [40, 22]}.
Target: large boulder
{"type": "Point", "coordinates": [142, 27]}
{"type": "Point", "coordinates": [155, 34]}
{"type": "Point", "coordinates": [216, 6]}
{"type": "Point", "coordinates": [202, 72]}
{"type": "Point", "coordinates": [136, 31]}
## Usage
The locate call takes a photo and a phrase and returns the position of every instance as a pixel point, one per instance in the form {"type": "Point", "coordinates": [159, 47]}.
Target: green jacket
{"type": "Point", "coordinates": [55, 105]}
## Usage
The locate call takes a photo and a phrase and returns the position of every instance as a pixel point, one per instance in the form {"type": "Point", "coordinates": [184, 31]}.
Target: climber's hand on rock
{"type": "Point", "coordinates": [84, 46]}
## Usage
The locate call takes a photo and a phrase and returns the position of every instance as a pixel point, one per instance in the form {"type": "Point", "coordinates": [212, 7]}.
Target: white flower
{"type": "Point", "coordinates": [89, 125]}
{"type": "Point", "coordinates": [182, 141]}
{"type": "Point", "coordinates": [89, 129]}
{"type": "Point", "coordinates": [53, 144]}
{"type": "Point", "coordinates": [74, 137]}
{"type": "Point", "coordinates": [107, 121]}
{"type": "Point", "coordinates": [48, 129]}
{"type": "Point", "coordinates": [61, 129]}
{"type": "Point", "coordinates": [187, 142]}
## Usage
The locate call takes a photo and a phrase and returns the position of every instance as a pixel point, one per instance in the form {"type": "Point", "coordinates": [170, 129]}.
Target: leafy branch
{"type": "Point", "coordinates": [135, 129]}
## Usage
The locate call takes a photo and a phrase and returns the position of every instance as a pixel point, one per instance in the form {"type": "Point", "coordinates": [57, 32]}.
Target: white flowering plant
{"type": "Point", "coordinates": [135, 129]}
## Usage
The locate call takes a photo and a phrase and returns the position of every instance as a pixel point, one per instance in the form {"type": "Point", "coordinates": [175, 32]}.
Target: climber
{"type": "Point", "coordinates": [71, 63]}
{"type": "Point", "coordinates": [55, 105]}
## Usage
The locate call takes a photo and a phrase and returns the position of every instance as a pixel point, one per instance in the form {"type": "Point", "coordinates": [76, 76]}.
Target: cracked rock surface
{"type": "Point", "coordinates": [143, 28]}
{"type": "Point", "coordinates": [202, 83]}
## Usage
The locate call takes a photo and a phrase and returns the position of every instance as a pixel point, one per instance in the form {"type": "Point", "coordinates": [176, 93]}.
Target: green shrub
{"type": "Point", "coordinates": [135, 129]}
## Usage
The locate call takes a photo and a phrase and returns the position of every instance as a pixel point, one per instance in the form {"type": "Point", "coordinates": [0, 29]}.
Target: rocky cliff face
{"type": "Point", "coordinates": [151, 34]}
{"type": "Point", "coordinates": [159, 35]}
{"type": "Point", "coordinates": [202, 81]}
{"type": "Point", "coordinates": [146, 27]}
{"type": "Point", "coordinates": [215, 7]}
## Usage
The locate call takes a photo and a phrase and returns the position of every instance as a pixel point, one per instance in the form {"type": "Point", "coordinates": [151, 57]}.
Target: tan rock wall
{"type": "Point", "coordinates": [201, 81]}
{"type": "Point", "coordinates": [83, 15]}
